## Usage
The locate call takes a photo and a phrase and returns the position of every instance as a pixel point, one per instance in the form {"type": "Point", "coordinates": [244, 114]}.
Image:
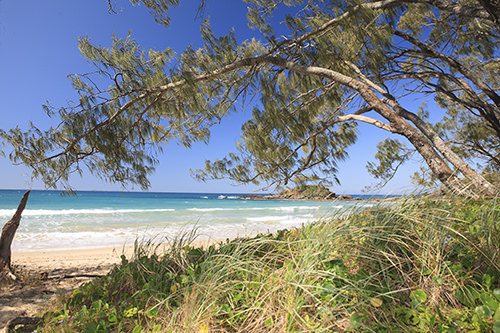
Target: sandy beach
{"type": "Point", "coordinates": [43, 275]}
{"type": "Point", "coordinates": [54, 262]}
{"type": "Point", "coordinates": [85, 261]}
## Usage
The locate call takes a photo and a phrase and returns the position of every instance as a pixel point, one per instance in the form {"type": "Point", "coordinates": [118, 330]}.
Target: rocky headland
{"type": "Point", "coordinates": [304, 192]}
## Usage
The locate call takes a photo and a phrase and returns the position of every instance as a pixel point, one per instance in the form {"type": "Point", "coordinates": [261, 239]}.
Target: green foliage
{"type": "Point", "coordinates": [391, 155]}
{"type": "Point", "coordinates": [493, 177]}
{"type": "Point", "coordinates": [471, 137]}
{"type": "Point", "coordinates": [158, 8]}
{"type": "Point", "coordinates": [336, 62]}
{"type": "Point", "coordinates": [414, 266]}
{"type": "Point", "coordinates": [309, 192]}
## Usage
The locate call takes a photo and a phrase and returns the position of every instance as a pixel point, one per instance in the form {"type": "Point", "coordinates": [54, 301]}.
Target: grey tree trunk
{"type": "Point", "coordinates": [482, 186]}
{"type": "Point", "coordinates": [435, 161]}
{"type": "Point", "coordinates": [429, 153]}
{"type": "Point", "coordinates": [8, 232]}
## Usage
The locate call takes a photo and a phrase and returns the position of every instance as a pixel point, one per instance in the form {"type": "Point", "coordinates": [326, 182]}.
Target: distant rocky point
{"type": "Point", "coordinates": [303, 192]}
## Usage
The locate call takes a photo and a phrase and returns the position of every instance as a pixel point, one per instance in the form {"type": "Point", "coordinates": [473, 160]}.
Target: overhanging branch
{"type": "Point", "coordinates": [368, 120]}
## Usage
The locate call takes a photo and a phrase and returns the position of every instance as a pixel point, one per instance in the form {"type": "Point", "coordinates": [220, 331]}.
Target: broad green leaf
{"type": "Point", "coordinates": [356, 320]}
{"type": "Point", "coordinates": [418, 297]}
{"type": "Point", "coordinates": [496, 293]}
{"type": "Point", "coordinates": [484, 311]}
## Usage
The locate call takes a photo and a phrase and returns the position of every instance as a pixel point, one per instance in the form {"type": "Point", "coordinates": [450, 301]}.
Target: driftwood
{"type": "Point", "coordinates": [25, 321]}
{"type": "Point", "coordinates": [8, 232]}
{"type": "Point", "coordinates": [73, 276]}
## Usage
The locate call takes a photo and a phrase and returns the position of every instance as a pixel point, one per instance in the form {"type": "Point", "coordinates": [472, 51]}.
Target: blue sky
{"type": "Point", "coordinates": [38, 49]}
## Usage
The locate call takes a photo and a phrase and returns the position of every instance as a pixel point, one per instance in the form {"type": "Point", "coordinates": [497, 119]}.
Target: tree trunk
{"type": "Point", "coordinates": [432, 155]}
{"type": "Point", "coordinates": [477, 180]}
{"type": "Point", "coordinates": [8, 232]}
{"type": "Point", "coordinates": [493, 8]}
{"type": "Point", "coordinates": [435, 161]}
{"type": "Point", "coordinates": [437, 164]}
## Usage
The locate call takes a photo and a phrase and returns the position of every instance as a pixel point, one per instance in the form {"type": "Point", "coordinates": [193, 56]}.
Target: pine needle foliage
{"type": "Point", "coordinates": [329, 66]}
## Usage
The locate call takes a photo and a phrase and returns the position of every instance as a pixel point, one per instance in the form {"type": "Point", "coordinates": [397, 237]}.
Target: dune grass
{"type": "Point", "coordinates": [415, 265]}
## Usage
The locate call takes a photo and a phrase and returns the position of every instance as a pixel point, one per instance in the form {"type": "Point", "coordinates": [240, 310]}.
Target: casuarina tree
{"type": "Point", "coordinates": [332, 65]}
{"type": "Point", "coordinates": [7, 236]}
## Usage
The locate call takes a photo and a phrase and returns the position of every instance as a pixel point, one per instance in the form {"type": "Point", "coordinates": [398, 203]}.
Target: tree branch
{"type": "Point", "coordinates": [429, 51]}
{"type": "Point", "coordinates": [368, 120]}
{"type": "Point", "coordinates": [446, 5]}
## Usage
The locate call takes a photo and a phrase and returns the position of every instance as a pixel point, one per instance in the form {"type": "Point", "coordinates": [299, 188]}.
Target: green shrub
{"type": "Point", "coordinates": [413, 265]}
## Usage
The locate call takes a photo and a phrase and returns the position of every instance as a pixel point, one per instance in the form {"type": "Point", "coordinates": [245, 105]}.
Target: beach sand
{"type": "Point", "coordinates": [58, 262]}
{"type": "Point", "coordinates": [44, 275]}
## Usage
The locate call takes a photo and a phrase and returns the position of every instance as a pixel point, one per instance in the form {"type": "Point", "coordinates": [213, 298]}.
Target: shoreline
{"type": "Point", "coordinates": [69, 259]}
{"type": "Point", "coordinates": [82, 259]}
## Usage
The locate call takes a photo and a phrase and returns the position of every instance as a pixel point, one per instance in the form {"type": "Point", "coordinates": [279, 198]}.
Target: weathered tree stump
{"type": "Point", "coordinates": [25, 321]}
{"type": "Point", "coordinates": [8, 233]}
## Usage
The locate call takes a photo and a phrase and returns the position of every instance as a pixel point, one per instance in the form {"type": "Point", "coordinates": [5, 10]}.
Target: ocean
{"type": "Point", "coordinates": [93, 219]}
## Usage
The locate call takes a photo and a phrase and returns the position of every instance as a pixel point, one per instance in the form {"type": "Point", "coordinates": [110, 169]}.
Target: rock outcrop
{"type": "Point", "coordinates": [304, 192]}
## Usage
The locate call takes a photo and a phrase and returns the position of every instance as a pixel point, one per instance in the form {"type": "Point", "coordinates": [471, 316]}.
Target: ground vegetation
{"type": "Point", "coordinates": [412, 266]}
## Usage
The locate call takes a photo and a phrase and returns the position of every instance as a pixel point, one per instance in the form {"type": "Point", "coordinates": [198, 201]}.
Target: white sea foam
{"type": "Point", "coordinates": [47, 212]}
{"type": "Point", "coordinates": [293, 208]}
{"type": "Point", "coordinates": [104, 235]}
{"type": "Point", "coordinates": [278, 209]}
{"type": "Point", "coordinates": [269, 218]}
{"type": "Point", "coordinates": [211, 209]}
{"type": "Point", "coordinates": [52, 240]}
{"type": "Point", "coordinates": [292, 220]}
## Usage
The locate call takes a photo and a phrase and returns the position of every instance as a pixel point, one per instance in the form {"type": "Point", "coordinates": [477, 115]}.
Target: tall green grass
{"type": "Point", "coordinates": [414, 265]}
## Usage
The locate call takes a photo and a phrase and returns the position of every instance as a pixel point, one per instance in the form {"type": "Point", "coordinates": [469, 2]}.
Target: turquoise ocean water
{"type": "Point", "coordinates": [52, 221]}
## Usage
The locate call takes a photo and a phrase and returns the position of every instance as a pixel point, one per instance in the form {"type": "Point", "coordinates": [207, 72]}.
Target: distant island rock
{"type": "Point", "coordinates": [303, 192]}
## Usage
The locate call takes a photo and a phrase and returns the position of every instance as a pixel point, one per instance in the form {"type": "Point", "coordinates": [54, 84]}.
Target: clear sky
{"type": "Point", "coordinates": [38, 49]}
